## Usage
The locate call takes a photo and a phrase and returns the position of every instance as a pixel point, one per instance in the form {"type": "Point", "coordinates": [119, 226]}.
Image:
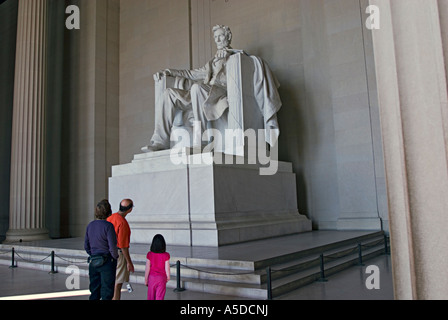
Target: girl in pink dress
{"type": "Point", "coordinates": [157, 271]}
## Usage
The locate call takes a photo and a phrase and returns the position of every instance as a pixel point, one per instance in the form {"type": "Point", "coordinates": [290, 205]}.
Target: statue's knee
{"type": "Point", "coordinates": [195, 88]}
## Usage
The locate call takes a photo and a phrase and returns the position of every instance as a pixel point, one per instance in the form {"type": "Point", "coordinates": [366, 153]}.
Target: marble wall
{"type": "Point", "coordinates": [90, 129]}
{"type": "Point", "coordinates": [321, 53]}
{"type": "Point", "coordinates": [82, 111]}
{"type": "Point", "coordinates": [103, 113]}
{"type": "Point", "coordinates": [154, 35]}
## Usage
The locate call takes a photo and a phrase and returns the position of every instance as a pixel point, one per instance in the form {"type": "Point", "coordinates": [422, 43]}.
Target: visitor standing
{"type": "Point", "coordinates": [100, 244]}
{"type": "Point", "coordinates": [157, 271]}
{"type": "Point", "coordinates": [123, 232]}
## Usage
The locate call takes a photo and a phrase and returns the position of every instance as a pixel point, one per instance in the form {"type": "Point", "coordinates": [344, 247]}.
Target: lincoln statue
{"type": "Point", "coordinates": [207, 97]}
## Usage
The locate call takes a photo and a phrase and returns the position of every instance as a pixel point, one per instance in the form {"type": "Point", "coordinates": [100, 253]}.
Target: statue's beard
{"type": "Point", "coordinates": [222, 45]}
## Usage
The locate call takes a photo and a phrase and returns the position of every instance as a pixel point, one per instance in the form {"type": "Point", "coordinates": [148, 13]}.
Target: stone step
{"type": "Point", "coordinates": [317, 250]}
{"type": "Point", "coordinates": [288, 283]}
{"type": "Point", "coordinates": [245, 279]}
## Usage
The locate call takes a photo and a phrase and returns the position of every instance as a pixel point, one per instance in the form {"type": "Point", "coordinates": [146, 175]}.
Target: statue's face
{"type": "Point", "coordinates": [221, 39]}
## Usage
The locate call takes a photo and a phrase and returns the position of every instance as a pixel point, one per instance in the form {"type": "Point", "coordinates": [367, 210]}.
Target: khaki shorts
{"type": "Point", "coordinates": [122, 275]}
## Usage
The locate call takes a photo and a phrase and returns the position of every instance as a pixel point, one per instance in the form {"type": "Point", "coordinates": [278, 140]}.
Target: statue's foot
{"type": "Point", "coordinates": [153, 147]}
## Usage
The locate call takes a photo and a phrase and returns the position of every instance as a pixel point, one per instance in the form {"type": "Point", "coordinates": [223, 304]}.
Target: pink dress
{"type": "Point", "coordinates": [157, 275]}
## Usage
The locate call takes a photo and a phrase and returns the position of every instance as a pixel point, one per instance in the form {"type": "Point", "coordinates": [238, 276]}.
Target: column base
{"type": "Point", "coordinates": [25, 235]}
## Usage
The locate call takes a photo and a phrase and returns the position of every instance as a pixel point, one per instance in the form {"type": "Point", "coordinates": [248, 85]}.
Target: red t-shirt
{"type": "Point", "coordinates": [157, 263]}
{"type": "Point", "coordinates": [122, 230]}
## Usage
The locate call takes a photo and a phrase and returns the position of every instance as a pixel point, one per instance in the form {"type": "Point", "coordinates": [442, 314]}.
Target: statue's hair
{"type": "Point", "coordinates": [226, 29]}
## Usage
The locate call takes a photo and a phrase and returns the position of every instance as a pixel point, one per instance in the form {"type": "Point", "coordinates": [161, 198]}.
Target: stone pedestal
{"type": "Point", "coordinates": [200, 202]}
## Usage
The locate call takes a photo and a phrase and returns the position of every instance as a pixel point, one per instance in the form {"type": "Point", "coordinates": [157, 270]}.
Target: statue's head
{"type": "Point", "coordinates": [222, 36]}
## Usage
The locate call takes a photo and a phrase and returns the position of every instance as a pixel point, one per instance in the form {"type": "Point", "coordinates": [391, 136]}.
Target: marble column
{"type": "Point", "coordinates": [27, 186]}
{"type": "Point", "coordinates": [410, 60]}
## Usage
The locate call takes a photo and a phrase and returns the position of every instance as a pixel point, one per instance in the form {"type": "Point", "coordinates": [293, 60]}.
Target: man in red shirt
{"type": "Point", "coordinates": [123, 231]}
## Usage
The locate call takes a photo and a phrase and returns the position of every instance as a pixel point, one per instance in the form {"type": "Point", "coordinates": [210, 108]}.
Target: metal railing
{"type": "Point", "coordinates": [320, 260]}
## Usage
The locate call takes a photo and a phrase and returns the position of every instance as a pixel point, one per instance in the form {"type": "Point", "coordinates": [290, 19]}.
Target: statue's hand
{"type": "Point", "coordinates": [159, 75]}
{"type": "Point", "coordinates": [223, 54]}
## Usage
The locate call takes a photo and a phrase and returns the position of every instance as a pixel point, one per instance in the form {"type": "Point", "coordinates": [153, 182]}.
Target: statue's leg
{"type": "Point", "coordinates": [199, 93]}
{"type": "Point", "coordinates": [173, 99]}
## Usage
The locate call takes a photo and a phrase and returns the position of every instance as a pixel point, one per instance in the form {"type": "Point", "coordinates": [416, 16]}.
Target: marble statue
{"type": "Point", "coordinates": [212, 195]}
{"type": "Point", "coordinates": [206, 99]}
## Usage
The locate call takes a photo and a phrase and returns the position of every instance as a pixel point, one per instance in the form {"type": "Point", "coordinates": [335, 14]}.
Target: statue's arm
{"type": "Point", "coordinates": [195, 75]}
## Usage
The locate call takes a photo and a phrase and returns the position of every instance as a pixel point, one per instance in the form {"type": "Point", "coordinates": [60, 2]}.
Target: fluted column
{"type": "Point", "coordinates": [27, 193]}
{"type": "Point", "coordinates": [410, 57]}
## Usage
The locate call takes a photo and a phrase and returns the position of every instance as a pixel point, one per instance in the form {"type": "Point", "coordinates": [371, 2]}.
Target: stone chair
{"type": "Point", "coordinates": [243, 112]}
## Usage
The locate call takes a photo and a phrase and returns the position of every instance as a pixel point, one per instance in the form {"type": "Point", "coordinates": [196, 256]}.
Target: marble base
{"type": "Point", "coordinates": [201, 203]}
{"type": "Point", "coordinates": [26, 235]}
{"type": "Point", "coordinates": [374, 223]}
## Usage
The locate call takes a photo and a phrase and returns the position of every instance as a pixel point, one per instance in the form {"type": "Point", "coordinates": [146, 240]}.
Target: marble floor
{"type": "Point", "coordinates": [346, 285]}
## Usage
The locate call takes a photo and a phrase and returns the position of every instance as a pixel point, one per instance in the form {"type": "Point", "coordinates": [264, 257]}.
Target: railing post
{"type": "Point", "coordinates": [386, 248]}
{"type": "Point", "coordinates": [53, 271]}
{"type": "Point", "coordinates": [269, 283]}
{"type": "Point", "coordinates": [322, 269]}
{"type": "Point", "coordinates": [360, 255]}
{"type": "Point", "coordinates": [12, 259]}
{"type": "Point", "coordinates": [178, 287]}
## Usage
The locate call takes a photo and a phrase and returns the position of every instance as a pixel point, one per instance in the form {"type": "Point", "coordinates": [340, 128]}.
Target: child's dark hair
{"type": "Point", "coordinates": [158, 244]}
